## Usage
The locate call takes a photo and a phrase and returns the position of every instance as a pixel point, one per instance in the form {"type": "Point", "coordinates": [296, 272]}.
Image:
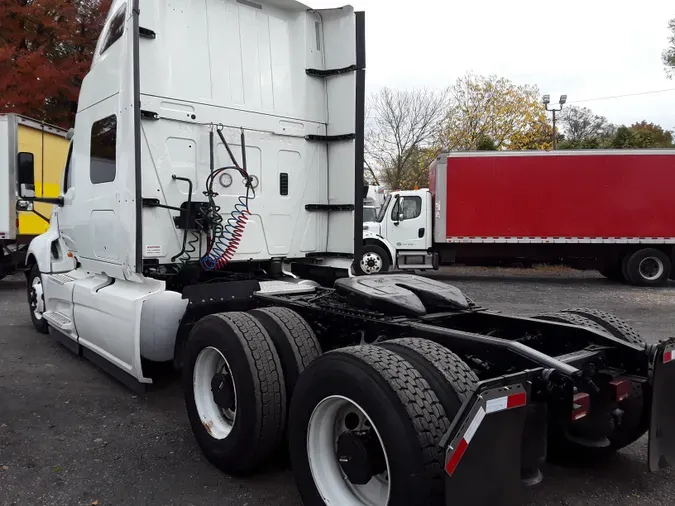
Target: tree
{"type": "Point", "coordinates": [46, 47]}
{"type": "Point", "coordinates": [642, 135]}
{"type": "Point", "coordinates": [400, 129]}
{"type": "Point", "coordinates": [584, 130]}
{"type": "Point", "coordinates": [485, 143]}
{"type": "Point", "coordinates": [669, 52]}
{"type": "Point", "coordinates": [511, 115]}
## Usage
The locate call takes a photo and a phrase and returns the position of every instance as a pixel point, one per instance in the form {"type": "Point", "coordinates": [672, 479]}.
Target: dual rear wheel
{"type": "Point", "coordinates": [363, 423]}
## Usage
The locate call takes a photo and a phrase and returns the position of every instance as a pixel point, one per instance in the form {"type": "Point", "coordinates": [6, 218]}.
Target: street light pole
{"type": "Point", "coordinates": [561, 102]}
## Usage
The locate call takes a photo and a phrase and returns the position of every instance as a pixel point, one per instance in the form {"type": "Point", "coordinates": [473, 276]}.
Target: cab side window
{"type": "Point", "coordinates": [409, 207]}
{"type": "Point", "coordinates": [115, 30]}
{"type": "Point", "coordinates": [103, 155]}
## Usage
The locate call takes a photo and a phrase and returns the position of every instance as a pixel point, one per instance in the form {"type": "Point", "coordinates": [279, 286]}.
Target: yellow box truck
{"type": "Point", "coordinates": [32, 145]}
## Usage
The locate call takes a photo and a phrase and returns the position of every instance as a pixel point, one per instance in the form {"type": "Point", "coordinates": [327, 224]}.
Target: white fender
{"type": "Point", "coordinates": [382, 242]}
{"type": "Point", "coordinates": [160, 319]}
{"type": "Point", "coordinates": [40, 249]}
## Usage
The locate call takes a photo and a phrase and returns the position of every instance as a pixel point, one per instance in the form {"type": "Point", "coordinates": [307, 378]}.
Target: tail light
{"type": "Point", "coordinates": [581, 406]}
{"type": "Point", "coordinates": [622, 388]}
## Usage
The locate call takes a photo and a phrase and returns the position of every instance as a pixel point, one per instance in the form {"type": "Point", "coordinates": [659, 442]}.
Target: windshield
{"type": "Point", "coordinates": [383, 210]}
{"type": "Point", "coordinates": [369, 214]}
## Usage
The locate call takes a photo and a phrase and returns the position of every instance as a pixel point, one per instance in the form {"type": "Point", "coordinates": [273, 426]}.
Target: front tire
{"type": "Point", "coordinates": [374, 260]}
{"type": "Point", "coordinates": [36, 300]}
{"type": "Point", "coordinates": [234, 391]}
{"type": "Point", "coordinates": [364, 430]}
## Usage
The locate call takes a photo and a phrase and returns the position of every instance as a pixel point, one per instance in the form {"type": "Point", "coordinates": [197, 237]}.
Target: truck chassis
{"type": "Point", "coordinates": [392, 389]}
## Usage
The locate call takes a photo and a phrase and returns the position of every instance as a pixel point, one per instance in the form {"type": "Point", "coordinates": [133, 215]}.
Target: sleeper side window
{"type": "Point", "coordinates": [103, 155]}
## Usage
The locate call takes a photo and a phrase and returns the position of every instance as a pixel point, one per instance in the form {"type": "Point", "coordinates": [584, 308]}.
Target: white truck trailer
{"type": "Point", "coordinates": [217, 160]}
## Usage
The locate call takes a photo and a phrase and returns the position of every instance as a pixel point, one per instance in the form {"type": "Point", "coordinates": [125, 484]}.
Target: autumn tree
{"type": "Point", "coordinates": [584, 130]}
{"type": "Point", "coordinates": [46, 48]}
{"type": "Point", "coordinates": [669, 52]}
{"type": "Point", "coordinates": [511, 115]}
{"type": "Point", "coordinates": [401, 127]}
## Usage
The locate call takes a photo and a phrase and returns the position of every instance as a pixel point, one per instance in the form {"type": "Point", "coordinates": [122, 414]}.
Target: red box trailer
{"type": "Point", "coordinates": [613, 210]}
{"type": "Point", "coordinates": [594, 196]}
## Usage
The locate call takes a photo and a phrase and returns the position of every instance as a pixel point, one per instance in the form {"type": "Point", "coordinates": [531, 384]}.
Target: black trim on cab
{"type": "Point", "coordinates": [137, 136]}
{"type": "Point", "coordinates": [359, 143]}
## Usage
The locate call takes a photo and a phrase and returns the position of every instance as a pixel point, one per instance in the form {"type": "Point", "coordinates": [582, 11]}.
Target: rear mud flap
{"type": "Point", "coordinates": [662, 424]}
{"type": "Point", "coordinates": [483, 445]}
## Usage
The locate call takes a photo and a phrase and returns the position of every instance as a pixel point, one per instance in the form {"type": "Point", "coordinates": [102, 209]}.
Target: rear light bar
{"type": "Point", "coordinates": [581, 406]}
{"type": "Point", "coordinates": [668, 356]}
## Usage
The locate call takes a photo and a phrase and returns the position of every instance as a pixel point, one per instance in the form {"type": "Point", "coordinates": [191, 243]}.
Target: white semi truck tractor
{"type": "Point", "coordinates": [213, 189]}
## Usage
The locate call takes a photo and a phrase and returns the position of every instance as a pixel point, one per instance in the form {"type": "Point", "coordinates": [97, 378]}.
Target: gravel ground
{"type": "Point", "coordinates": [71, 435]}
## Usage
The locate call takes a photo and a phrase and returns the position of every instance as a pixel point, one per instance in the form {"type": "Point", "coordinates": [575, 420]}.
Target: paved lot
{"type": "Point", "coordinates": [70, 435]}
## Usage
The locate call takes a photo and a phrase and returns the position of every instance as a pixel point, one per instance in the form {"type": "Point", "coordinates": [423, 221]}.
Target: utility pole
{"type": "Point", "coordinates": [561, 103]}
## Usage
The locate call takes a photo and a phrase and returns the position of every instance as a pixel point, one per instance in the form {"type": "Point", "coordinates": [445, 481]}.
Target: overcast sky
{"type": "Point", "coordinates": [584, 48]}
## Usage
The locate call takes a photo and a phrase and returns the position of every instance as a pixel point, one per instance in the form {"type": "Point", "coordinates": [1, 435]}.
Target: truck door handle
{"type": "Point", "coordinates": [420, 233]}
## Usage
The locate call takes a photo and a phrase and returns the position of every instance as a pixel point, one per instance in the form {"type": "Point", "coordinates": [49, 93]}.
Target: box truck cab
{"type": "Point", "coordinates": [401, 235]}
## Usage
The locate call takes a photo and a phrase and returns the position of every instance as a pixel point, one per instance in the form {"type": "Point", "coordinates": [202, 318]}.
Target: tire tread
{"type": "Point", "coordinates": [419, 401]}
{"type": "Point", "coordinates": [610, 323]}
{"type": "Point", "coordinates": [267, 379]}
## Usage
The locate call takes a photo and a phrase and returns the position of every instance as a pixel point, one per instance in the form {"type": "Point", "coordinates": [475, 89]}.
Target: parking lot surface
{"type": "Point", "coordinates": [71, 435]}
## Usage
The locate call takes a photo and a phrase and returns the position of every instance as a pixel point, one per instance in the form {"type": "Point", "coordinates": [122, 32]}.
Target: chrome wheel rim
{"type": "Point", "coordinates": [371, 263]}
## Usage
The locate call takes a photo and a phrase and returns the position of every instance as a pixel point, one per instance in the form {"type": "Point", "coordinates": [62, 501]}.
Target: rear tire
{"type": "Point", "coordinates": [635, 422]}
{"type": "Point", "coordinates": [615, 326]}
{"type": "Point", "coordinates": [36, 300]}
{"type": "Point", "coordinates": [572, 319]}
{"type": "Point", "coordinates": [647, 267]}
{"type": "Point", "coordinates": [404, 410]}
{"type": "Point", "coordinates": [293, 339]}
{"type": "Point", "coordinates": [234, 391]}
{"type": "Point", "coordinates": [448, 375]}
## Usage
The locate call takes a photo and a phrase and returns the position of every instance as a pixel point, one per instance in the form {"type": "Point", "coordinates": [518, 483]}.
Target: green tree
{"type": "Point", "coordinates": [669, 52]}
{"type": "Point", "coordinates": [489, 106]}
{"type": "Point", "coordinates": [486, 143]}
{"type": "Point", "coordinates": [642, 135]}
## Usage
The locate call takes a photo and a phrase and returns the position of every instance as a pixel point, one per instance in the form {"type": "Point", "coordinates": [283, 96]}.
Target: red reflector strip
{"type": "Point", "coordinates": [581, 406]}
{"type": "Point", "coordinates": [506, 402]}
{"type": "Point", "coordinates": [668, 356]}
{"type": "Point", "coordinates": [517, 400]}
{"type": "Point", "coordinates": [456, 457]}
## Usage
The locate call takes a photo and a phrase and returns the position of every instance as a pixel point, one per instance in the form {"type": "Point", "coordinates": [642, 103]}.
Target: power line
{"type": "Point", "coordinates": [621, 96]}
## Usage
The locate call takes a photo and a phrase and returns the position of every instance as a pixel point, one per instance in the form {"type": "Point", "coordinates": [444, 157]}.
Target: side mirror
{"type": "Point", "coordinates": [26, 174]}
{"type": "Point", "coordinates": [401, 217]}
